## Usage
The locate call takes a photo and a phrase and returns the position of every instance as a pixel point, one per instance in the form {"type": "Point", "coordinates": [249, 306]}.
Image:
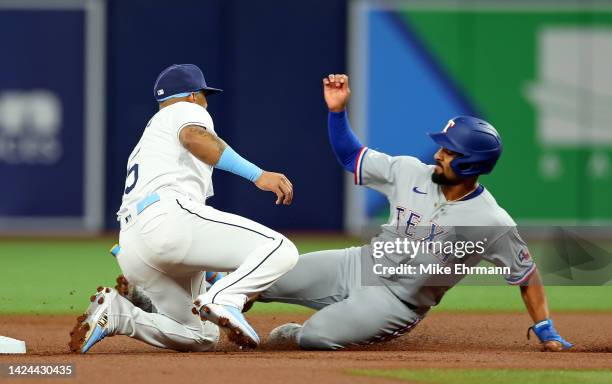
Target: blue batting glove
{"type": "Point", "coordinates": [213, 277]}
{"type": "Point", "coordinates": [545, 331]}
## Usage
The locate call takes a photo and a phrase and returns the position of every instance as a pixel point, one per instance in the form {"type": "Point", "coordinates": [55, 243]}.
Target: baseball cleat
{"type": "Point", "coordinates": [284, 335]}
{"type": "Point", "coordinates": [92, 326]}
{"type": "Point", "coordinates": [233, 323]}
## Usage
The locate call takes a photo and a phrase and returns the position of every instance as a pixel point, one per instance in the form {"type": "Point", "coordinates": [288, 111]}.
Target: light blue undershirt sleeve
{"type": "Point", "coordinates": [232, 162]}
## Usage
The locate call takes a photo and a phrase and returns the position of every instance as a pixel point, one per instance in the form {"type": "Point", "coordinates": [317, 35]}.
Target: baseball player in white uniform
{"type": "Point", "coordinates": [169, 236]}
{"type": "Point", "coordinates": [379, 291]}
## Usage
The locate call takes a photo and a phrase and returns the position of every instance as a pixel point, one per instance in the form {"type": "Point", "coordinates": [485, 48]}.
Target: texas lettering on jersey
{"type": "Point", "coordinates": [420, 212]}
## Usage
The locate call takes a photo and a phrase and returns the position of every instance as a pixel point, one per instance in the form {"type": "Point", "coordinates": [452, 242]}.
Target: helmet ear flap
{"type": "Point", "coordinates": [464, 166]}
{"type": "Point", "coordinates": [459, 165]}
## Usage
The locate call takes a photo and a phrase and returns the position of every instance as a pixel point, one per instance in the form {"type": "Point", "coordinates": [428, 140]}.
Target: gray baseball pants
{"type": "Point", "coordinates": [348, 313]}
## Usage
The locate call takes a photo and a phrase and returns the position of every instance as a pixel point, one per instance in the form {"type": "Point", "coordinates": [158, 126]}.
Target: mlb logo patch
{"type": "Point", "coordinates": [160, 92]}
{"type": "Point", "coordinates": [524, 255]}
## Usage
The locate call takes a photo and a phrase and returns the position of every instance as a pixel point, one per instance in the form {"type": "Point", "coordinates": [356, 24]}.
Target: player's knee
{"type": "Point", "coordinates": [203, 340]}
{"type": "Point", "coordinates": [316, 333]}
{"type": "Point", "coordinates": [199, 345]}
{"type": "Point", "coordinates": [312, 337]}
{"type": "Point", "coordinates": [204, 345]}
{"type": "Point", "coordinates": [289, 254]}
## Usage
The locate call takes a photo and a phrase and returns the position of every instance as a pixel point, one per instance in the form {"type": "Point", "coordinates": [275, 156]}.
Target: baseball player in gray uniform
{"type": "Point", "coordinates": [169, 236]}
{"type": "Point", "coordinates": [376, 292]}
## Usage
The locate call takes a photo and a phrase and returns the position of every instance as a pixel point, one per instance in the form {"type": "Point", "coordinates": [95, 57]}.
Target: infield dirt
{"type": "Point", "coordinates": [442, 340]}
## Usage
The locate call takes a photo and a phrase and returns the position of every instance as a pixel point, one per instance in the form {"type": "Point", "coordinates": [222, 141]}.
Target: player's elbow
{"type": "Point", "coordinates": [347, 160]}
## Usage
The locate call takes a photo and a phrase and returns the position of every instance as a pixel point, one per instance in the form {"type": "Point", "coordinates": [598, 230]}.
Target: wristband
{"type": "Point", "coordinates": [232, 162]}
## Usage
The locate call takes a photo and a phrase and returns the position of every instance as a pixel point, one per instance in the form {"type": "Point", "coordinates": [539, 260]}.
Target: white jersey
{"type": "Point", "coordinates": [159, 162]}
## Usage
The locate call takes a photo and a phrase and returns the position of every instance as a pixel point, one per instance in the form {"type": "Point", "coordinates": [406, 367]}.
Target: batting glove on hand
{"type": "Point", "coordinates": [549, 337]}
{"type": "Point", "coordinates": [213, 277]}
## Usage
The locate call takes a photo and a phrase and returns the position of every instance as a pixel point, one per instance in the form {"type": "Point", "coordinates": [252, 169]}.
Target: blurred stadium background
{"type": "Point", "coordinates": [76, 91]}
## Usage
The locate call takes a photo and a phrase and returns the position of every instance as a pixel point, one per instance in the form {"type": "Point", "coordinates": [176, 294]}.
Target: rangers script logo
{"type": "Point", "coordinates": [449, 125]}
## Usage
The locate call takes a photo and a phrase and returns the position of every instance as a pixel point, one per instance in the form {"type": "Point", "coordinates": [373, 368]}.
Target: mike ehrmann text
{"type": "Point", "coordinates": [436, 269]}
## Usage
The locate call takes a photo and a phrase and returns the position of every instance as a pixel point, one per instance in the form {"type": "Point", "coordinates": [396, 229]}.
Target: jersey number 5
{"type": "Point", "coordinates": [133, 170]}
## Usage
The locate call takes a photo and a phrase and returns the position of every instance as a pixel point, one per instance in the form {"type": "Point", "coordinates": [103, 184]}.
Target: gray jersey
{"type": "Point", "coordinates": [419, 211]}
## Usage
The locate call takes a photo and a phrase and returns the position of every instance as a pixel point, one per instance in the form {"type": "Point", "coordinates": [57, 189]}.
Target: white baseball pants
{"type": "Point", "coordinates": [166, 248]}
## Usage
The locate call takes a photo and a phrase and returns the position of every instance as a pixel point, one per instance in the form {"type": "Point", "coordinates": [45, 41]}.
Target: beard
{"type": "Point", "coordinates": [441, 179]}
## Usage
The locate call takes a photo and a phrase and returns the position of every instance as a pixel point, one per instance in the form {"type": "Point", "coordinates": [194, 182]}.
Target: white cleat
{"type": "Point", "coordinates": [92, 326]}
{"type": "Point", "coordinates": [238, 330]}
{"type": "Point", "coordinates": [284, 335]}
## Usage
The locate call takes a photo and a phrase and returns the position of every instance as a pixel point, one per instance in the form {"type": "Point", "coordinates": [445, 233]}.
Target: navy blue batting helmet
{"type": "Point", "coordinates": [476, 141]}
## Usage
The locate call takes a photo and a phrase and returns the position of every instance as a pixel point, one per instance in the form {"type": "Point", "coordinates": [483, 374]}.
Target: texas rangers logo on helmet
{"type": "Point", "coordinates": [450, 124]}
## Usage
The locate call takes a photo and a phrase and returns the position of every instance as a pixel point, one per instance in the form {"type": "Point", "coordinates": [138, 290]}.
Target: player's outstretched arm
{"type": "Point", "coordinates": [535, 301]}
{"type": "Point", "coordinates": [345, 144]}
{"type": "Point", "coordinates": [211, 150]}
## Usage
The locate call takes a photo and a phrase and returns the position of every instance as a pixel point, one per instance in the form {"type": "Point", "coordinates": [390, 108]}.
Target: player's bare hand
{"type": "Point", "coordinates": [336, 92]}
{"type": "Point", "coordinates": [277, 183]}
{"type": "Point", "coordinates": [552, 346]}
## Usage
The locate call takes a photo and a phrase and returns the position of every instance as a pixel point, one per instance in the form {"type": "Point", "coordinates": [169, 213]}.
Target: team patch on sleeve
{"type": "Point", "coordinates": [358, 165]}
{"type": "Point", "coordinates": [524, 255]}
{"type": "Point", "coordinates": [520, 279]}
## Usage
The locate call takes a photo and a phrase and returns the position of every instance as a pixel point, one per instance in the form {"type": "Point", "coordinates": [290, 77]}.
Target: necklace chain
{"type": "Point", "coordinates": [459, 198]}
